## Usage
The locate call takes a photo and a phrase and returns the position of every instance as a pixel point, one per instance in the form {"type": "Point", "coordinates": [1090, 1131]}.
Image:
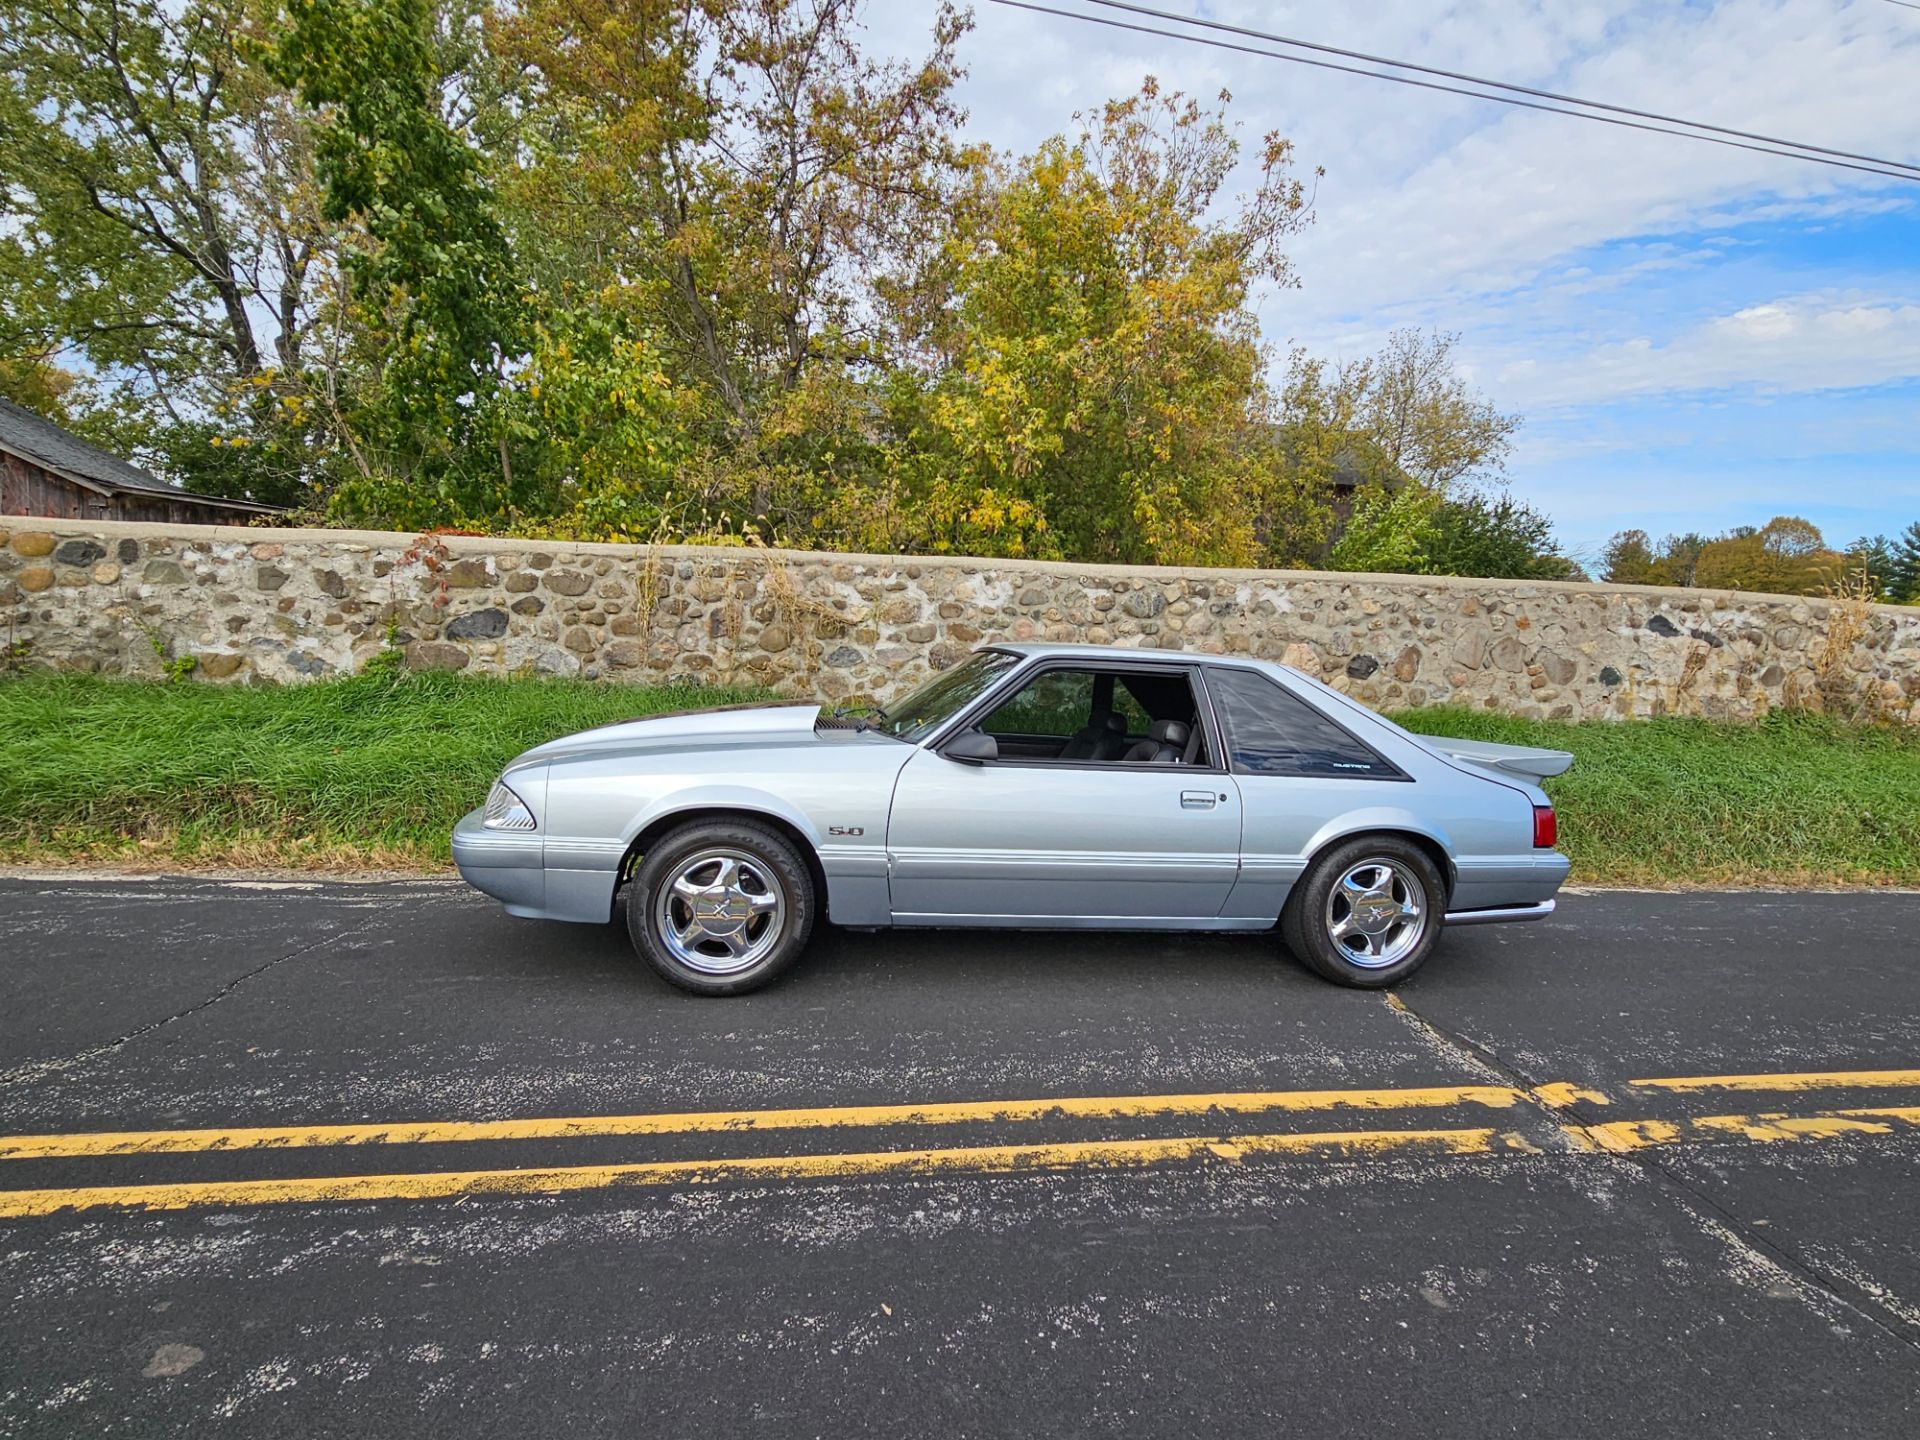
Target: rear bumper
{"type": "Point", "coordinates": [1505, 882]}
{"type": "Point", "coordinates": [1501, 914]}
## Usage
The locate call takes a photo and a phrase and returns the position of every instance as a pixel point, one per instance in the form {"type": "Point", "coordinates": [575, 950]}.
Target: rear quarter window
{"type": "Point", "coordinates": [1270, 731]}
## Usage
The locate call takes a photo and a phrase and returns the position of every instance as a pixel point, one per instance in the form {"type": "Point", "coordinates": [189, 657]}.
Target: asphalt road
{"type": "Point", "coordinates": [1495, 1226]}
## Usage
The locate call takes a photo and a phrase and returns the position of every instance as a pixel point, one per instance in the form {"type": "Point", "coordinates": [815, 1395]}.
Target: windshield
{"type": "Point", "coordinates": [922, 712]}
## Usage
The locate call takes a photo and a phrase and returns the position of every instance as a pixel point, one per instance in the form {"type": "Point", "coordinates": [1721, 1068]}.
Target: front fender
{"type": "Point", "coordinates": [712, 796]}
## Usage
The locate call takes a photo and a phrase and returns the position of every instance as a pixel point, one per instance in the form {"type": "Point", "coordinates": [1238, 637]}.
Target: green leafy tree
{"type": "Point", "coordinates": [434, 288]}
{"type": "Point", "coordinates": [158, 222]}
{"type": "Point", "coordinates": [1493, 536]}
{"type": "Point", "coordinates": [1100, 362]}
{"type": "Point", "coordinates": [1388, 532]}
{"type": "Point", "coordinates": [741, 177]}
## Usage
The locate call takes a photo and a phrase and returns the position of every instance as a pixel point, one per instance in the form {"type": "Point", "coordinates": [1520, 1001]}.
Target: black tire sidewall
{"type": "Point", "coordinates": [669, 851]}
{"type": "Point", "coordinates": [1307, 938]}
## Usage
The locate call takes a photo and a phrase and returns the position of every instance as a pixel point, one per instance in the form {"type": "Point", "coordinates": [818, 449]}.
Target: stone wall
{"type": "Point", "coordinates": [296, 604]}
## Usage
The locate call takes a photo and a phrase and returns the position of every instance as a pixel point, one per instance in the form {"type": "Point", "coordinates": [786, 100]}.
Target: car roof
{"type": "Point", "coordinates": [1121, 653]}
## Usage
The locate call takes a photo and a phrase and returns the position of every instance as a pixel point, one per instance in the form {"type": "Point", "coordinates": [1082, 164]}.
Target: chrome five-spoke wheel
{"type": "Point", "coordinates": [723, 911]}
{"type": "Point", "coordinates": [720, 906]}
{"type": "Point", "coordinates": [1376, 912]}
{"type": "Point", "coordinates": [1367, 912]}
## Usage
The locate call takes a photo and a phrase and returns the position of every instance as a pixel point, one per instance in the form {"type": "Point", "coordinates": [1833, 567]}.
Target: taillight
{"type": "Point", "coordinates": [1546, 830]}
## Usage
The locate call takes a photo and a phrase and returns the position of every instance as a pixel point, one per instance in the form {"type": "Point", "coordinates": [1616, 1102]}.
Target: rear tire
{"type": "Point", "coordinates": [720, 907]}
{"type": "Point", "coordinates": [1367, 913]}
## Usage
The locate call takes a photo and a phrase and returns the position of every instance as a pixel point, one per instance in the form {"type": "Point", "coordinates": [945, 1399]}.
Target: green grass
{"type": "Point", "coordinates": [371, 773]}
{"type": "Point", "coordinates": [1795, 799]}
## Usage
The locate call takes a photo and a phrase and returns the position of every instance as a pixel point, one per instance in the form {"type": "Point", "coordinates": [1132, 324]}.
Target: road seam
{"type": "Point", "coordinates": [1643, 1160]}
{"type": "Point", "coordinates": [41, 1069]}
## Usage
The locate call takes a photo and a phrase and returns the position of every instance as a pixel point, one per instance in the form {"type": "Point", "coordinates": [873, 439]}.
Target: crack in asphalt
{"type": "Point", "coordinates": [41, 1069]}
{"type": "Point", "coordinates": [1708, 1211]}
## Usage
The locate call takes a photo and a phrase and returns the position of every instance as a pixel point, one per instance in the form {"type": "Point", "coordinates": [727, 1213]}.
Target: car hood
{"type": "Point", "coordinates": [723, 725]}
{"type": "Point", "coordinates": [1521, 760]}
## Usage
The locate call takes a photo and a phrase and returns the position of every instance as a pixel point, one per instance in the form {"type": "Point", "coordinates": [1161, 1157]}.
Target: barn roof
{"type": "Point", "coordinates": [38, 440]}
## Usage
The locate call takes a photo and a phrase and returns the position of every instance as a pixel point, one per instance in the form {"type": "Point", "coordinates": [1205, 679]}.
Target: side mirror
{"type": "Point", "coordinates": [973, 748]}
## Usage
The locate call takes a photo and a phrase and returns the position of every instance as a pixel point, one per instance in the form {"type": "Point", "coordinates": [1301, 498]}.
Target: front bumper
{"type": "Point", "coordinates": [509, 865]}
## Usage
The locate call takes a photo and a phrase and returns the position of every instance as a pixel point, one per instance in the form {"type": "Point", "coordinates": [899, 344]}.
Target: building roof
{"type": "Point", "coordinates": [40, 441]}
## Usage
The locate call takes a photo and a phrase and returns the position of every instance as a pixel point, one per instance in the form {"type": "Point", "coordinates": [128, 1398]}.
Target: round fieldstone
{"type": "Point", "coordinates": [436, 655]}
{"type": "Point", "coordinates": [488, 624]}
{"type": "Point", "coordinates": [568, 582]}
{"type": "Point", "coordinates": [79, 552]}
{"type": "Point", "coordinates": [32, 543]}
{"type": "Point", "coordinates": [218, 664]}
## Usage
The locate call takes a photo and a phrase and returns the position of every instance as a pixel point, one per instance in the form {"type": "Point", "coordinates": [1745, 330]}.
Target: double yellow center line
{"type": "Point", "coordinates": [1556, 1101]}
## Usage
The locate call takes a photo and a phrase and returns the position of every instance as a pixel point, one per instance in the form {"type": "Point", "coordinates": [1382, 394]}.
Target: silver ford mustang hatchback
{"type": "Point", "coordinates": [1033, 786]}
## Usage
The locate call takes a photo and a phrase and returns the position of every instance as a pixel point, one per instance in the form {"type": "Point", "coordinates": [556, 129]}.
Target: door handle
{"type": "Point", "coordinates": [1197, 800]}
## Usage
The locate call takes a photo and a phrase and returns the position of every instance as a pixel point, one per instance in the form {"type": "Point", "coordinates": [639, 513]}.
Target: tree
{"type": "Point", "coordinates": [737, 171]}
{"type": "Point", "coordinates": [1100, 362]}
{"type": "Point", "coordinates": [1785, 556]}
{"type": "Point", "coordinates": [1422, 417]}
{"type": "Point", "coordinates": [1388, 532]}
{"type": "Point", "coordinates": [1493, 536]}
{"type": "Point", "coordinates": [1629, 559]}
{"type": "Point", "coordinates": [158, 217]}
{"type": "Point", "coordinates": [1903, 574]}
{"type": "Point", "coordinates": [1872, 556]}
{"type": "Point", "coordinates": [437, 295]}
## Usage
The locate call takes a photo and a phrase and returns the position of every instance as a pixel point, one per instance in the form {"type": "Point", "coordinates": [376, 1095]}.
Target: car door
{"type": "Point", "coordinates": [1023, 841]}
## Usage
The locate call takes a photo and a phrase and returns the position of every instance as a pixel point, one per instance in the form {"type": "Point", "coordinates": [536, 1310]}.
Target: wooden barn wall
{"type": "Point", "coordinates": [26, 489]}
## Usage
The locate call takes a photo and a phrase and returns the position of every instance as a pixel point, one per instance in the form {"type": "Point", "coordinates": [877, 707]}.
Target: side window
{"type": "Point", "coordinates": [1129, 709]}
{"type": "Point", "coordinates": [1057, 703]}
{"type": "Point", "coordinates": [1272, 732]}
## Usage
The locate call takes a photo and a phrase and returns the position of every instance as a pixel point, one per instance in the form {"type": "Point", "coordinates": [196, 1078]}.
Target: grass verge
{"type": "Point", "coordinates": [1793, 800]}
{"type": "Point", "coordinates": [371, 772]}
{"type": "Point", "coordinates": [356, 774]}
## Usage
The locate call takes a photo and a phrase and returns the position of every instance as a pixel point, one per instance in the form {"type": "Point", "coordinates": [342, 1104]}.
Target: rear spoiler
{"type": "Point", "coordinates": [1516, 759]}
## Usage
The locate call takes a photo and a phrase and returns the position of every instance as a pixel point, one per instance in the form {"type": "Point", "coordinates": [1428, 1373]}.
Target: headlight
{"type": "Point", "coordinates": [506, 810]}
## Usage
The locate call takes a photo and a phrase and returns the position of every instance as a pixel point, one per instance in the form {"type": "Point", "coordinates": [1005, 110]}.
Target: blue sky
{"type": "Point", "coordinates": [1695, 337]}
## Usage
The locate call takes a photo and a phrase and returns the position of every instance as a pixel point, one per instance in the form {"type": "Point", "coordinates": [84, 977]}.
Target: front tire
{"type": "Point", "coordinates": [720, 907]}
{"type": "Point", "coordinates": [1368, 912]}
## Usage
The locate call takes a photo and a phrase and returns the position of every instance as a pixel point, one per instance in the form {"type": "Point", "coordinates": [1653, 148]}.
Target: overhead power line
{"type": "Point", "coordinates": [1498, 84]}
{"type": "Point", "coordinates": [1684, 129]}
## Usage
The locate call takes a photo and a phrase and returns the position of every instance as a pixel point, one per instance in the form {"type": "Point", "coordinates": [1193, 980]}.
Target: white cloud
{"type": "Point", "coordinates": [1802, 343]}
{"type": "Point", "coordinates": [1432, 203]}
{"type": "Point", "coordinates": [1630, 294]}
